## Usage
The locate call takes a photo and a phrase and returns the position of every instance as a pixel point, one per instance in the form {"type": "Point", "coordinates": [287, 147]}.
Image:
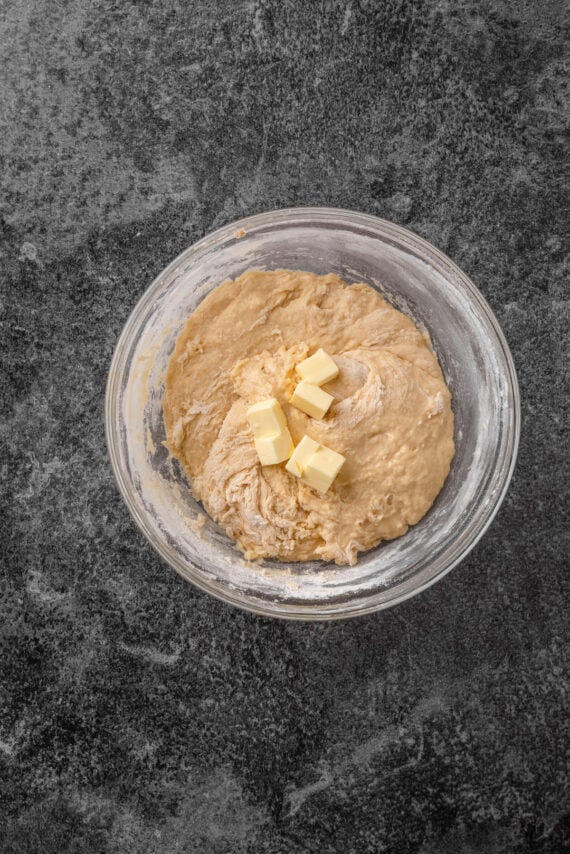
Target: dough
{"type": "Point", "coordinates": [391, 417]}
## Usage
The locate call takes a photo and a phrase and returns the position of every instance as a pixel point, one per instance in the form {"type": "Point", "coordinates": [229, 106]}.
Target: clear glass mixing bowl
{"type": "Point", "coordinates": [413, 276]}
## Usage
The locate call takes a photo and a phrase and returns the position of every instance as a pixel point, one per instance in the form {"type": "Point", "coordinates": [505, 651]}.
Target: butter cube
{"type": "Point", "coordinates": [322, 468]}
{"type": "Point", "coordinates": [301, 456]}
{"type": "Point", "coordinates": [266, 418]}
{"type": "Point", "coordinates": [272, 438]}
{"type": "Point", "coordinates": [318, 368]}
{"type": "Point", "coordinates": [311, 399]}
{"type": "Point", "coordinates": [274, 449]}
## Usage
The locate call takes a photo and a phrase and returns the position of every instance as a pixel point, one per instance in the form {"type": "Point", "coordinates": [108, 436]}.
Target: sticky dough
{"type": "Point", "coordinates": [391, 416]}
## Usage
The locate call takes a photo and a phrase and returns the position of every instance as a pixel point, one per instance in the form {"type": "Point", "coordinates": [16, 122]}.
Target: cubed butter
{"type": "Point", "coordinates": [311, 399]}
{"type": "Point", "coordinates": [301, 456]}
{"type": "Point", "coordinates": [318, 368]}
{"type": "Point", "coordinates": [274, 449]}
{"type": "Point", "coordinates": [322, 468]}
{"type": "Point", "coordinates": [266, 418]}
{"type": "Point", "coordinates": [315, 464]}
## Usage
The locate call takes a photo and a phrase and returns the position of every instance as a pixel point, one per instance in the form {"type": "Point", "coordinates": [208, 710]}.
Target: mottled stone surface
{"type": "Point", "coordinates": [137, 714]}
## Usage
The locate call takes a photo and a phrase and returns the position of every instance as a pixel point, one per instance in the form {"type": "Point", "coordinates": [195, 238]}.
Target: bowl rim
{"type": "Point", "coordinates": [300, 611]}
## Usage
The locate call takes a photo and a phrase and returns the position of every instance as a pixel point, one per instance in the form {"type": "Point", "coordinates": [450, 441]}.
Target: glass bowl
{"type": "Point", "coordinates": [417, 279]}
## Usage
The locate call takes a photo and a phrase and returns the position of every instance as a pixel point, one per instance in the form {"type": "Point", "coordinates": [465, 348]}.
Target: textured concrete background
{"type": "Point", "coordinates": [137, 714]}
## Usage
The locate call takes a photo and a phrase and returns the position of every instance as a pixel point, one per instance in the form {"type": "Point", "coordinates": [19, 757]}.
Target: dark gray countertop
{"type": "Point", "coordinates": [136, 713]}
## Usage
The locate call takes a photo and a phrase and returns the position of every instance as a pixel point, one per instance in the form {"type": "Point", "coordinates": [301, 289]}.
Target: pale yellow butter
{"type": "Point", "coordinates": [274, 449]}
{"type": "Point", "coordinates": [311, 399]}
{"type": "Point", "coordinates": [318, 368]}
{"type": "Point", "coordinates": [315, 464]}
{"type": "Point", "coordinates": [301, 456]}
{"type": "Point", "coordinates": [272, 438]}
{"type": "Point", "coordinates": [266, 418]}
{"type": "Point", "coordinates": [322, 468]}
